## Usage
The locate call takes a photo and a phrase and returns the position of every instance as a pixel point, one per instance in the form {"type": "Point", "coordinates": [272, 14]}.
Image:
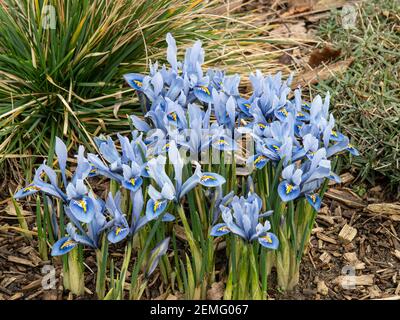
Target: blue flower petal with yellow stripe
{"type": "Point", "coordinates": [350, 148]}
{"type": "Point", "coordinates": [203, 93]}
{"type": "Point", "coordinates": [259, 161]}
{"type": "Point", "coordinates": [314, 200]}
{"type": "Point", "coordinates": [244, 106]}
{"type": "Point", "coordinates": [83, 209]}
{"type": "Point", "coordinates": [336, 136]}
{"type": "Point", "coordinates": [210, 179]}
{"type": "Point", "coordinates": [26, 191]}
{"type": "Point", "coordinates": [133, 184]}
{"type": "Point", "coordinates": [288, 191]}
{"type": "Point", "coordinates": [219, 229]}
{"type": "Point", "coordinates": [154, 208]}
{"type": "Point", "coordinates": [269, 240]}
{"type": "Point", "coordinates": [117, 234]}
{"type": "Point", "coordinates": [135, 80]}
{"type": "Point", "coordinates": [63, 246]}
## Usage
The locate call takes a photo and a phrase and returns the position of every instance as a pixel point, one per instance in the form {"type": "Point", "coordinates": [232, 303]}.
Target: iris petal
{"type": "Point", "coordinates": [314, 200]}
{"type": "Point", "coordinates": [219, 229]}
{"type": "Point", "coordinates": [63, 246]}
{"type": "Point", "coordinates": [117, 234]}
{"type": "Point", "coordinates": [203, 93]}
{"type": "Point", "coordinates": [154, 208]}
{"type": "Point", "coordinates": [288, 191]}
{"type": "Point", "coordinates": [133, 184]}
{"type": "Point", "coordinates": [168, 217]}
{"type": "Point", "coordinates": [352, 150]}
{"type": "Point", "coordinates": [260, 161]}
{"type": "Point", "coordinates": [210, 179]}
{"type": "Point", "coordinates": [82, 209]}
{"type": "Point", "coordinates": [269, 240]}
{"type": "Point", "coordinates": [135, 80]}
{"type": "Point", "coordinates": [27, 191]}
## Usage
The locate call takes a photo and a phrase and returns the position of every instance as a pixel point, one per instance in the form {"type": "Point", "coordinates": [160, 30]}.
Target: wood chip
{"type": "Point", "coordinates": [22, 261]}
{"type": "Point", "coordinates": [33, 285]}
{"type": "Point", "coordinates": [352, 259]}
{"type": "Point", "coordinates": [390, 209]}
{"type": "Point", "coordinates": [322, 288]}
{"type": "Point", "coordinates": [363, 280]}
{"type": "Point", "coordinates": [397, 254]}
{"type": "Point", "coordinates": [347, 197]}
{"type": "Point", "coordinates": [327, 219]}
{"type": "Point", "coordinates": [325, 257]}
{"type": "Point", "coordinates": [347, 234]}
{"type": "Point", "coordinates": [320, 56]}
{"type": "Point", "coordinates": [17, 296]}
{"type": "Point", "coordinates": [325, 238]}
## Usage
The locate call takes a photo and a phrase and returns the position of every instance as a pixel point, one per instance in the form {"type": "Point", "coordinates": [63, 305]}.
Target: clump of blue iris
{"type": "Point", "coordinates": [190, 109]}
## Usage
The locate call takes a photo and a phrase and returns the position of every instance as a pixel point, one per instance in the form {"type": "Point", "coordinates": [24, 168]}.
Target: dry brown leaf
{"type": "Point", "coordinates": [10, 210]}
{"type": "Point", "coordinates": [180, 232]}
{"type": "Point", "coordinates": [216, 292]}
{"type": "Point", "coordinates": [320, 56]}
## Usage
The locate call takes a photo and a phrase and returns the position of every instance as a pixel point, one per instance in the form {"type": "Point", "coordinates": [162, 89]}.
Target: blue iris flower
{"type": "Point", "coordinates": [242, 217]}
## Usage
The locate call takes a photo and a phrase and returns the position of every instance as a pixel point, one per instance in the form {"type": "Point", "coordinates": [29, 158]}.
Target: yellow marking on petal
{"type": "Point", "coordinates": [166, 146]}
{"type": "Point", "coordinates": [157, 205]}
{"type": "Point", "coordinates": [247, 105]}
{"type": "Point", "coordinates": [31, 188]}
{"type": "Point", "coordinates": [276, 147]}
{"type": "Point", "coordinates": [132, 181]}
{"type": "Point", "coordinates": [300, 114]}
{"type": "Point", "coordinates": [138, 83]}
{"type": "Point", "coordinates": [350, 146]}
{"type": "Point", "coordinates": [223, 229]}
{"type": "Point", "coordinates": [82, 204]}
{"type": "Point", "coordinates": [118, 231]}
{"type": "Point", "coordinates": [222, 141]}
{"type": "Point", "coordinates": [289, 188]}
{"type": "Point", "coordinates": [259, 158]}
{"type": "Point", "coordinates": [68, 243]}
{"type": "Point", "coordinates": [313, 198]}
{"type": "Point", "coordinates": [205, 89]}
{"type": "Point", "coordinates": [334, 133]}
{"type": "Point", "coordinates": [207, 177]}
{"type": "Point", "coordinates": [284, 112]}
{"type": "Point", "coordinates": [262, 125]}
{"type": "Point", "coordinates": [267, 238]}
{"type": "Point", "coordinates": [173, 116]}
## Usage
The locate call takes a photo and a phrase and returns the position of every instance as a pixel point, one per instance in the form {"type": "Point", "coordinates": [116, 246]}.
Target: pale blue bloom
{"type": "Point", "coordinates": [242, 218]}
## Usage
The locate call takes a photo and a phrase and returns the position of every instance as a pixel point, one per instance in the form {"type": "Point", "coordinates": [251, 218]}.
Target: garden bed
{"type": "Point", "coordinates": [354, 248]}
{"type": "Point", "coordinates": [374, 252]}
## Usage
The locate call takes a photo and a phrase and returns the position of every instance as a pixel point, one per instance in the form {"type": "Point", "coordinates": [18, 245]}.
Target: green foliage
{"type": "Point", "coordinates": [367, 97]}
